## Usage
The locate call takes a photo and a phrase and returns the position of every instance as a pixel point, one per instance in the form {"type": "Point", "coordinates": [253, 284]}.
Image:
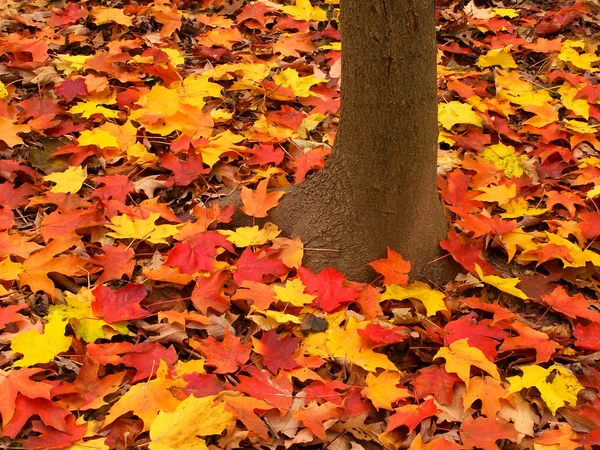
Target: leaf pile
{"type": "Point", "coordinates": [132, 315]}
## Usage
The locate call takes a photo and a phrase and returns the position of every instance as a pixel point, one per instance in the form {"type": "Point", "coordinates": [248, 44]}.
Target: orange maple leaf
{"type": "Point", "coordinates": [257, 203]}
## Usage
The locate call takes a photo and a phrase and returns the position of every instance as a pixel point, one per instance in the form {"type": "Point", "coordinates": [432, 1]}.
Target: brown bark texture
{"type": "Point", "coordinates": [378, 187]}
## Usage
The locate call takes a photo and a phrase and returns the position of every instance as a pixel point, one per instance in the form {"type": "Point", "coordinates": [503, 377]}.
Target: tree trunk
{"type": "Point", "coordinates": [378, 187]}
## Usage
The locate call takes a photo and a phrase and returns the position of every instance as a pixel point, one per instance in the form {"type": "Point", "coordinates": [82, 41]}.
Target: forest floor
{"type": "Point", "coordinates": [133, 316]}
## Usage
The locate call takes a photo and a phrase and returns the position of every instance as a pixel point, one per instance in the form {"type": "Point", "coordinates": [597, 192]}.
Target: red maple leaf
{"type": "Point", "coordinates": [393, 268]}
{"type": "Point", "coordinates": [261, 385]}
{"type": "Point", "coordinates": [227, 355]}
{"type": "Point", "coordinates": [436, 381]}
{"type": "Point", "coordinates": [258, 266]}
{"type": "Point", "coordinates": [277, 353]}
{"type": "Point", "coordinates": [116, 306]}
{"type": "Point", "coordinates": [483, 432]}
{"type": "Point", "coordinates": [574, 307]}
{"type": "Point", "coordinates": [411, 415]}
{"type": "Point", "coordinates": [329, 288]}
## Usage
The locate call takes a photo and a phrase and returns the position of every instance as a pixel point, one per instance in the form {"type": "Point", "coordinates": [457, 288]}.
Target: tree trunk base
{"type": "Point", "coordinates": [322, 214]}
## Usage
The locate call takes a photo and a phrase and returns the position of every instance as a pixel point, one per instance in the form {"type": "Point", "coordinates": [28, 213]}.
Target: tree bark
{"type": "Point", "coordinates": [378, 187]}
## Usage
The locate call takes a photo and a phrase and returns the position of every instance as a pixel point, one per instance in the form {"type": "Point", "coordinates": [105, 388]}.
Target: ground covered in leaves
{"type": "Point", "coordinates": [133, 316]}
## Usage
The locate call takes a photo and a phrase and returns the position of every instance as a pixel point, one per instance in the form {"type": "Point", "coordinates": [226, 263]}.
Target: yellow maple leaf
{"type": "Point", "coordinates": [185, 427]}
{"type": "Point", "coordinates": [561, 390]}
{"type": "Point", "coordinates": [158, 103]}
{"type": "Point", "coordinates": [452, 113]}
{"type": "Point", "coordinates": [432, 300]}
{"type": "Point", "coordinates": [517, 238]}
{"type": "Point", "coordinates": [10, 270]}
{"type": "Point", "coordinates": [507, 285]}
{"type": "Point", "coordinates": [70, 63]}
{"type": "Point", "coordinates": [510, 87]}
{"type": "Point", "coordinates": [3, 90]}
{"type": "Point", "coordinates": [90, 444]}
{"type": "Point", "coordinates": [125, 134]}
{"type": "Point", "coordinates": [94, 105]}
{"type": "Point", "coordinates": [104, 15]}
{"type": "Point", "coordinates": [269, 320]}
{"type": "Point", "coordinates": [460, 356]}
{"type": "Point", "coordinates": [195, 88]}
{"type": "Point", "coordinates": [519, 207]}
{"type": "Point", "coordinates": [497, 57]}
{"type": "Point", "coordinates": [41, 348]}
{"type": "Point", "coordinates": [580, 127]}
{"type": "Point", "coordinates": [347, 344]}
{"type": "Point", "coordinates": [145, 229]}
{"type": "Point", "coordinates": [579, 106]}
{"type": "Point", "coordinates": [500, 194]}
{"type": "Point", "coordinates": [146, 399]}
{"type": "Point", "coordinates": [219, 144]}
{"type": "Point", "coordinates": [505, 12]}
{"type": "Point", "coordinates": [570, 53]}
{"type": "Point", "coordinates": [98, 137]}
{"type": "Point", "coordinates": [293, 293]}
{"type": "Point", "coordinates": [78, 311]}
{"type": "Point", "coordinates": [382, 389]}
{"type": "Point", "coordinates": [504, 158]}
{"type": "Point", "coordinates": [290, 78]}
{"type": "Point", "coordinates": [246, 236]}
{"type": "Point", "coordinates": [303, 10]}
{"type": "Point", "coordinates": [69, 181]}
{"type": "Point", "coordinates": [579, 257]}
{"type": "Point", "coordinates": [139, 154]}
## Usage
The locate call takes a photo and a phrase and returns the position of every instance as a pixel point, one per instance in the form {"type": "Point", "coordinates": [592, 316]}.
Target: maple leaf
{"type": "Point", "coordinates": [69, 181]}
{"type": "Point", "coordinates": [14, 382]}
{"type": "Point", "coordinates": [194, 418]}
{"type": "Point", "coordinates": [432, 300]}
{"type": "Point", "coordinates": [277, 391]}
{"type": "Point", "coordinates": [88, 390]}
{"type": "Point", "coordinates": [393, 268]}
{"type": "Point", "coordinates": [411, 415]}
{"type": "Point", "coordinates": [116, 261]}
{"type": "Point", "coordinates": [529, 338]}
{"type": "Point", "coordinates": [378, 336]}
{"type": "Point", "coordinates": [453, 113]}
{"type": "Point", "coordinates": [574, 307]}
{"type": "Point", "coordinates": [87, 325]}
{"type": "Point", "coordinates": [460, 356]}
{"type": "Point", "coordinates": [382, 389]}
{"type": "Point", "coordinates": [104, 15]}
{"type": "Point", "coordinates": [147, 399]}
{"type": "Point", "coordinates": [115, 306]}
{"type": "Point", "coordinates": [489, 391]}
{"type": "Point", "coordinates": [41, 347]}
{"type": "Point", "coordinates": [276, 352]}
{"type": "Point", "coordinates": [293, 293]}
{"type": "Point", "coordinates": [303, 10]}
{"type": "Point", "coordinates": [435, 380]}
{"type": "Point", "coordinates": [507, 285]}
{"type": "Point", "coordinates": [317, 417]}
{"type": "Point", "coordinates": [347, 344]}
{"type": "Point", "coordinates": [497, 57]}
{"type": "Point", "coordinates": [208, 293]}
{"type": "Point", "coordinates": [9, 130]}
{"type": "Point", "coordinates": [483, 432]}
{"type": "Point", "coordinates": [246, 236]}
{"type": "Point", "coordinates": [561, 390]}
{"type": "Point", "coordinates": [328, 288]}
{"type": "Point", "coordinates": [227, 356]}
{"type": "Point", "coordinates": [257, 203]}
{"type": "Point", "coordinates": [145, 229]}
